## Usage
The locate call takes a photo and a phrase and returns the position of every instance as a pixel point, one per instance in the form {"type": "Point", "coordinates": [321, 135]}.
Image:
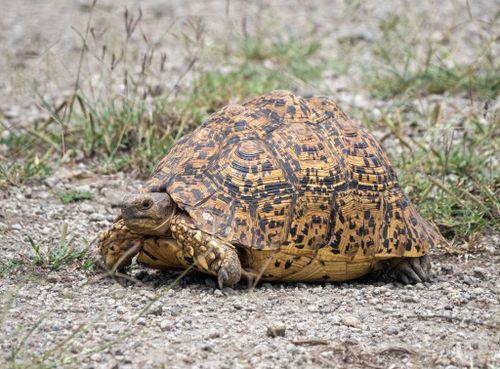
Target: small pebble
{"type": "Point", "coordinates": [237, 306]}
{"type": "Point", "coordinates": [392, 330]}
{"type": "Point", "coordinates": [53, 278]}
{"type": "Point", "coordinates": [480, 273]}
{"type": "Point", "coordinates": [97, 217]}
{"type": "Point", "coordinates": [116, 351]}
{"type": "Point", "coordinates": [121, 309]}
{"type": "Point", "coordinates": [214, 335]}
{"type": "Point", "coordinates": [276, 331]}
{"type": "Point", "coordinates": [208, 347]}
{"type": "Point", "coordinates": [156, 309]}
{"type": "Point", "coordinates": [165, 325]}
{"type": "Point", "coordinates": [175, 311]}
{"type": "Point", "coordinates": [96, 357]}
{"type": "Point", "coordinates": [312, 308]}
{"type": "Point", "coordinates": [351, 321]}
{"type": "Point", "coordinates": [87, 208]}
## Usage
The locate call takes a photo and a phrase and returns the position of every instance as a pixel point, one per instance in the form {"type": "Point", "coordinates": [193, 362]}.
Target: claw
{"type": "Point", "coordinates": [189, 251]}
{"type": "Point", "coordinates": [202, 262]}
{"type": "Point", "coordinates": [407, 270]}
{"type": "Point", "coordinates": [211, 256]}
{"type": "Point", "coordinates": [412, 270]}
{"type": "Point", "coordinates": [222, 277]}
{"type": "Point", "coordinates": [416, 265]}
{"type": "Point", "coordinates": [230, 270]}
{"type": "Point", "coordinates": [404, 278]}
{"type": "Point", "coordinates": [216, 264]}
{"type": "Point", "coordinates": [426, 260]}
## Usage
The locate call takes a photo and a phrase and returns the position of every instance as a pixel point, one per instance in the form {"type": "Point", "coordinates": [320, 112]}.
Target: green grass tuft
{"type": "Point", "coordinates": [9, 265]}
{"type": "Point", "coordinates": [452, 174]}
{"type": "Point", "coordinates": [131, 132]}
{"type": "Point", "coordinates": [74, 195]}
{"type": "Point", "coordinates": [31, 167]}
{"type": "Point", "coordinates": [399, 67]}
{"type": "Point", "coordinates": [60, 253]}
{"type": "Point", "coordinates": [292, 55]}
{"type": "Point", "coordinates": [436, 79]}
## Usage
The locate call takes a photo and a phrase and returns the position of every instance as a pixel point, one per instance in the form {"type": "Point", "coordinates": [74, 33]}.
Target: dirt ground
{"type": "Point", "coordinates": [75, 318]}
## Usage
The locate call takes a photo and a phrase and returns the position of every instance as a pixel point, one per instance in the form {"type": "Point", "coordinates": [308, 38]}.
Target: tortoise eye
{"type": "Point", "coordinates": [146, 204]}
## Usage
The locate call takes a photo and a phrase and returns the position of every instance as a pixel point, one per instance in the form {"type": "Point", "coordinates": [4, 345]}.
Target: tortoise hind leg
{"type": "Point", "coordinates": [410, 270]}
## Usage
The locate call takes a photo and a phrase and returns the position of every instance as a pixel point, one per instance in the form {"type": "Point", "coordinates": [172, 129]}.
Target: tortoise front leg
{"type": "Point", "coordinates": [208, 254]}
{"type": "Point", "coordinates": [118, 245]}
{"type": "Point", "coordinates": [162, 253]}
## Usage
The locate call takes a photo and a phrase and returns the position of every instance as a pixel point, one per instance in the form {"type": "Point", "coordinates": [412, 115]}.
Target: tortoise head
{"type": "Point", "coordinates": [148, 213]}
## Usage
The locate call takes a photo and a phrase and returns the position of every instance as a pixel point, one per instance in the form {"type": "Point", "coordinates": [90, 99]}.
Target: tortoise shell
{"type": "Point", "coordinates": [281, 172]}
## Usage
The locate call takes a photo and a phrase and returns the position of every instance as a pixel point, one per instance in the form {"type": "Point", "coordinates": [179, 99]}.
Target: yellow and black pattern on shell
{"type": "Point", "coordinates": [294, 178]}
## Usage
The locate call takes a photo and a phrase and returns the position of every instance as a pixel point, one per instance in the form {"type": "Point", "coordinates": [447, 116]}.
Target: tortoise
{"type": "Point", "coordinates": [282, 188]}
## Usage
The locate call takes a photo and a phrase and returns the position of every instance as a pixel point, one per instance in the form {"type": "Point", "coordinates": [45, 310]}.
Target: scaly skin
{"type": "Point", "coordinates": [209, 254]}
{"type": "Point", "coordinates": [118, 245]}
{"type": "Point", "coordinates": [190, 246]}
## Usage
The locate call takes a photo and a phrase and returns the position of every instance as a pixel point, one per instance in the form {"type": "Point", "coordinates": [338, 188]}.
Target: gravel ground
{"type": "Point", "coordinates": [450, 322]}
{"type": "Point", "coordinates": [77, 317]}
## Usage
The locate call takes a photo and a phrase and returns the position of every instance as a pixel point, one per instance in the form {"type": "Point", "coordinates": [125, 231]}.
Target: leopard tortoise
{"type": "Point", "coordinates": [281, 187]}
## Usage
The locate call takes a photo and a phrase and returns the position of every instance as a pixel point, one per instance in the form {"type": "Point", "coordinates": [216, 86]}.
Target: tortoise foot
{"type": "Point", "coordinates": [229, 272]}
{"type": "Point", "coordinates": [412, 270]}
